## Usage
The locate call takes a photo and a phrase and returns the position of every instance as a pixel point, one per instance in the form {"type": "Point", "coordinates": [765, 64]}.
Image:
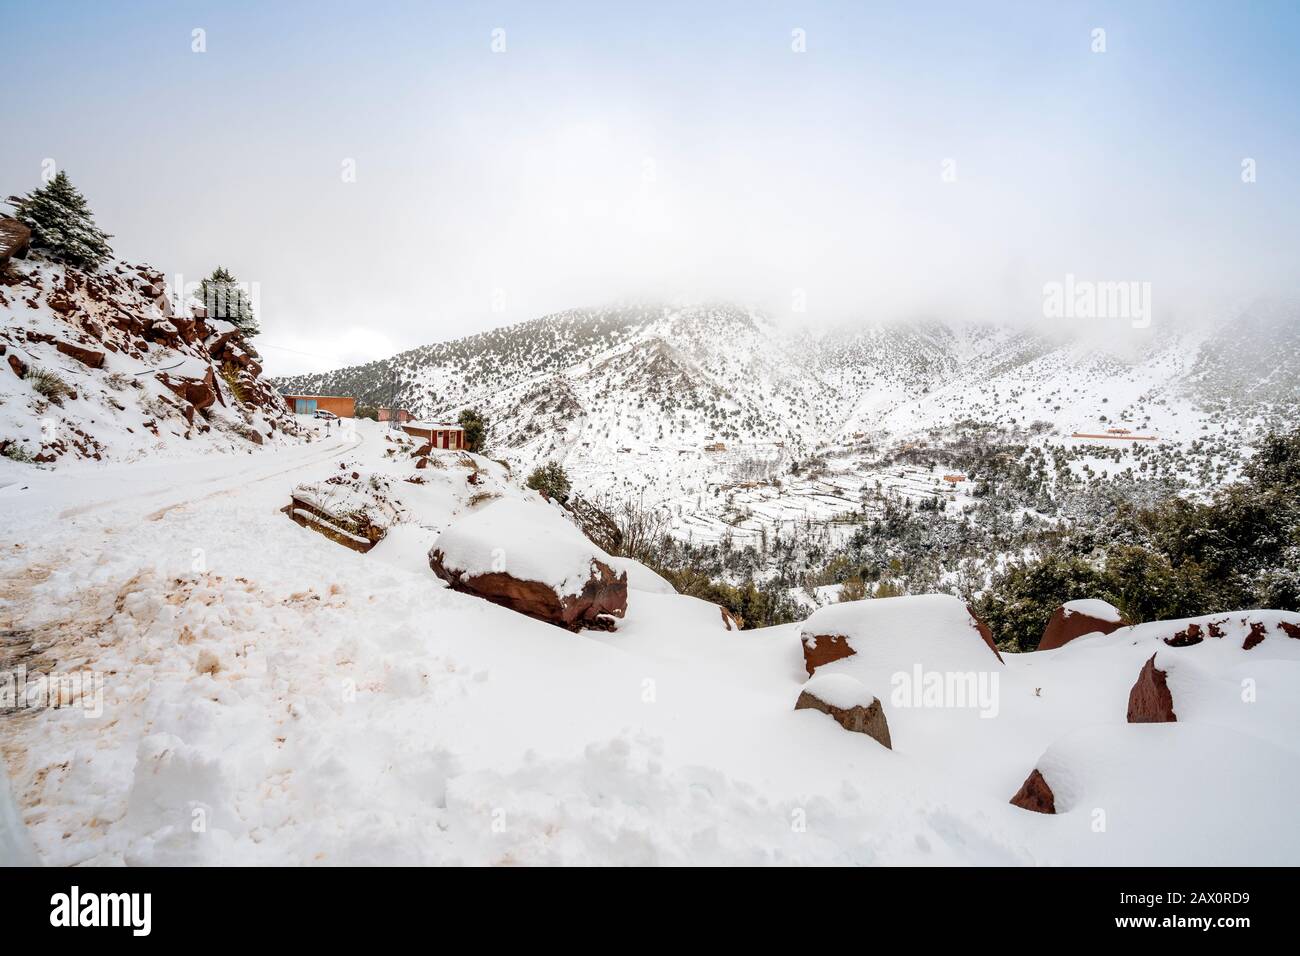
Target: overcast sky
{"type": "Point", "coordinates": [914, 159]}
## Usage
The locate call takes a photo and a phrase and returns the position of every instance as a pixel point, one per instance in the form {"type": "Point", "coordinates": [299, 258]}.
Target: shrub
{"type": "Point", "coordinates": [551, 480]}
{"type": "Point", "coordinates": [49, 384]}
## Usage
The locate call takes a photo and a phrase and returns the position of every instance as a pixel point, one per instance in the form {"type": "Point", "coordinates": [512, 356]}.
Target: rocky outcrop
{"type": "Point", "coordinates": [115, 335]}
{"type": "Point", "coordinates": [1073, 620]}
{"type": "Point", "coordinates": [1034, 794]}
{"type": "Point", "coordinates": [1150, 701]}
{"type": "Point", "coordinates": [602, 598]}
{"type": "Point", "coordinates": [858, 712]}
{"type": "Point", "coordinates": [15, 240]}
{"type": "Point", "coordinates": [87, 357]}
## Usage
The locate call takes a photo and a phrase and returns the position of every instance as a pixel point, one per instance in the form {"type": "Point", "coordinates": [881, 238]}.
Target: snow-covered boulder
{"type": "Point", "coordinates": [352, 508]}
{"type": "Point", "coordinates": [847, 700]}
{"type": "Point", "coordinates": [934, 631]}
{"type": "Point", "coordinates": [1077, 618]}
{"type": "Point", "coordinates": [525, 555]}
{"type": "Point", "coordinates": [1113, 774]}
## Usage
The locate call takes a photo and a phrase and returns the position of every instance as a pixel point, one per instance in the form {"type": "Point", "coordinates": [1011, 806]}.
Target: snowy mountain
{"type": "Point", "coordinates": [682, 406]}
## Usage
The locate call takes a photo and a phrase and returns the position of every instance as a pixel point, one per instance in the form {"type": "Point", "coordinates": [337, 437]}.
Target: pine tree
{"type": "Point", "coordinates": [475, 425]}
{"type": "Point", "coordinates": [225, 299]}
{"type": "Point", "coordinates": [62, 224]}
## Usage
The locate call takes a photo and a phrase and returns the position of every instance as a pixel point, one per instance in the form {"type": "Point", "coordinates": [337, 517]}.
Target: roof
{"type": "Point", "coordinates": [437, 426]}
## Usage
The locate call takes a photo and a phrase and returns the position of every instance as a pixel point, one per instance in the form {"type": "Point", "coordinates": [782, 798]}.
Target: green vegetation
{"type": "Point", "coordinates": [475, 424]}
{"type": "Point", "coordinates": [62, 224]}
{"type": "Point", "coordinates": [551, 480]}
{"type": "Point", "coordinates": [1178, 558]}
{"type": "Point", "coordinates": [225, 298]}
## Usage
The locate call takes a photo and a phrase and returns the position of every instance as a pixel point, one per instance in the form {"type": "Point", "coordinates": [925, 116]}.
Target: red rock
{"type": "Point", "coordinates": [1188, 636]}
{"type": "Point", "coordinates": [985, 633]}
{"type": "Point", "coordinates": [869, 720]}
{"type": "Point", "coordinates": [18, 365]}
{"type": "Point", "coordinates": [1063, 628]}
{"type": "Point", "coordinates": [15, 240]}
{"type": "Point", "coordinates": [728, 620]}
{"type": "Point", "coordinates": [603, 597]}
{"type": "Point", "coordinates": [821, 649]}
{"type": "Point", "coordinates": [1150, 701]}
{"type": "Point", "coordinates": [1034, 794]}
{"type": "Point", "coordinates": [1256, 635]}
{"type": "Point", "coordinates": [83, 355]}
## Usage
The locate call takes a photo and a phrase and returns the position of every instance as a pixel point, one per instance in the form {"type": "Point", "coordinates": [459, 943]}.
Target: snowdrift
{"type": "Point", "coordinates": [932, 631]}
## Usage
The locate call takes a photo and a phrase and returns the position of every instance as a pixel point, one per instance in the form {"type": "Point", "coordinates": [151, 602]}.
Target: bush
{"type": "Point", "coordinates": [368, 412]}
{"type": "Point", "coordinates": [551, 480]}
{"type": "Point", "coordinates": [1021, 601]}
{"type": "Point", "coordinates": [752, 605]}
{"type": "Point", "coordinates": [49, 384]}
{"type": "Point", "coordinates": [475, 425]}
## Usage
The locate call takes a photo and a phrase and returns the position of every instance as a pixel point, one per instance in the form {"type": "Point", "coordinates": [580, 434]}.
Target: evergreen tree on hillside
{"type": "Point", "coordinates": [62, 224]}
{"type": "Point", "coordinates": [475, 425]}
{"type": "Point", "coordinates": [223, 297]}
{"type": "Point", "coordinates": [551, 480]}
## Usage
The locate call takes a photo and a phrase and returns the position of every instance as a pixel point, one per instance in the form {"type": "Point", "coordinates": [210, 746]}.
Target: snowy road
{"type": "Point", "coordinates": [266, 696]}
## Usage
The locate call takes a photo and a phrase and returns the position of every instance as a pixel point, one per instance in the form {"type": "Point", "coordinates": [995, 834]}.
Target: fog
{"type": "Point", "coordinates": [387, 179]}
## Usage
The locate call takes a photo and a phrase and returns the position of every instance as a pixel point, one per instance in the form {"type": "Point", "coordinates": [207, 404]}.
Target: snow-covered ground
{"type": "Point", "coordinates": [269, 696]}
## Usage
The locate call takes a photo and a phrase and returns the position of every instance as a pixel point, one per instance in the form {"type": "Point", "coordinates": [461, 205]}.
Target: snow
{"type": "Point", "coordinates": [894, 634]}
{"type": "Point", "coordinates": [1094, 608]}
{"type": "Point", "coordinates": [529, 540]}
{"type": "Point", "coordinates": [641, 578]}
{"type": "Point", "coordinates": [839, 690]}
{"type": "Point", "coordinates": [362, 713]}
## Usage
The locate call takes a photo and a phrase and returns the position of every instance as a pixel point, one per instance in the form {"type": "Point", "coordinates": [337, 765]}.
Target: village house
{"type": "Point", "coordinates": [344, 406]}
{"type": "Point", "coordinates": [400, 415]}
{"type": "Point", "coordinates": [437, 435]}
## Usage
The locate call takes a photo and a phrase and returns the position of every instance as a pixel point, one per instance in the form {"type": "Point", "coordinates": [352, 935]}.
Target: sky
{"type": "Point", "coordinates": [390, 174]}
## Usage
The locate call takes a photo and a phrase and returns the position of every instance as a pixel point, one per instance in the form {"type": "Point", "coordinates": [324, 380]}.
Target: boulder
{"type": "Point", "coordinates": [526, 556]}
{"type": "Point", "coordinates": [15, 240]}
{"type": "Point", "coordinates": [1077, 618]}
{"type": "Point", "coordinates": [85, 356]}
{"type": "Point", "coordinates": [18, 366]}
{"type": "Point", "coordinates": [852, 706]}
{"type": "Point", "coordinates": [934, 631]}
{"type": "Point", "coordinates": [1034, 794]}
{"type": "Point", "coordinates": [1150, 701]}
{"type": "Point", "coordinates": [199, 392]}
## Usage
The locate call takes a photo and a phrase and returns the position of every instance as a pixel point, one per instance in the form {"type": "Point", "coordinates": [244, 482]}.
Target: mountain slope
{"type": "Point", "coordinates": [675, 405]}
